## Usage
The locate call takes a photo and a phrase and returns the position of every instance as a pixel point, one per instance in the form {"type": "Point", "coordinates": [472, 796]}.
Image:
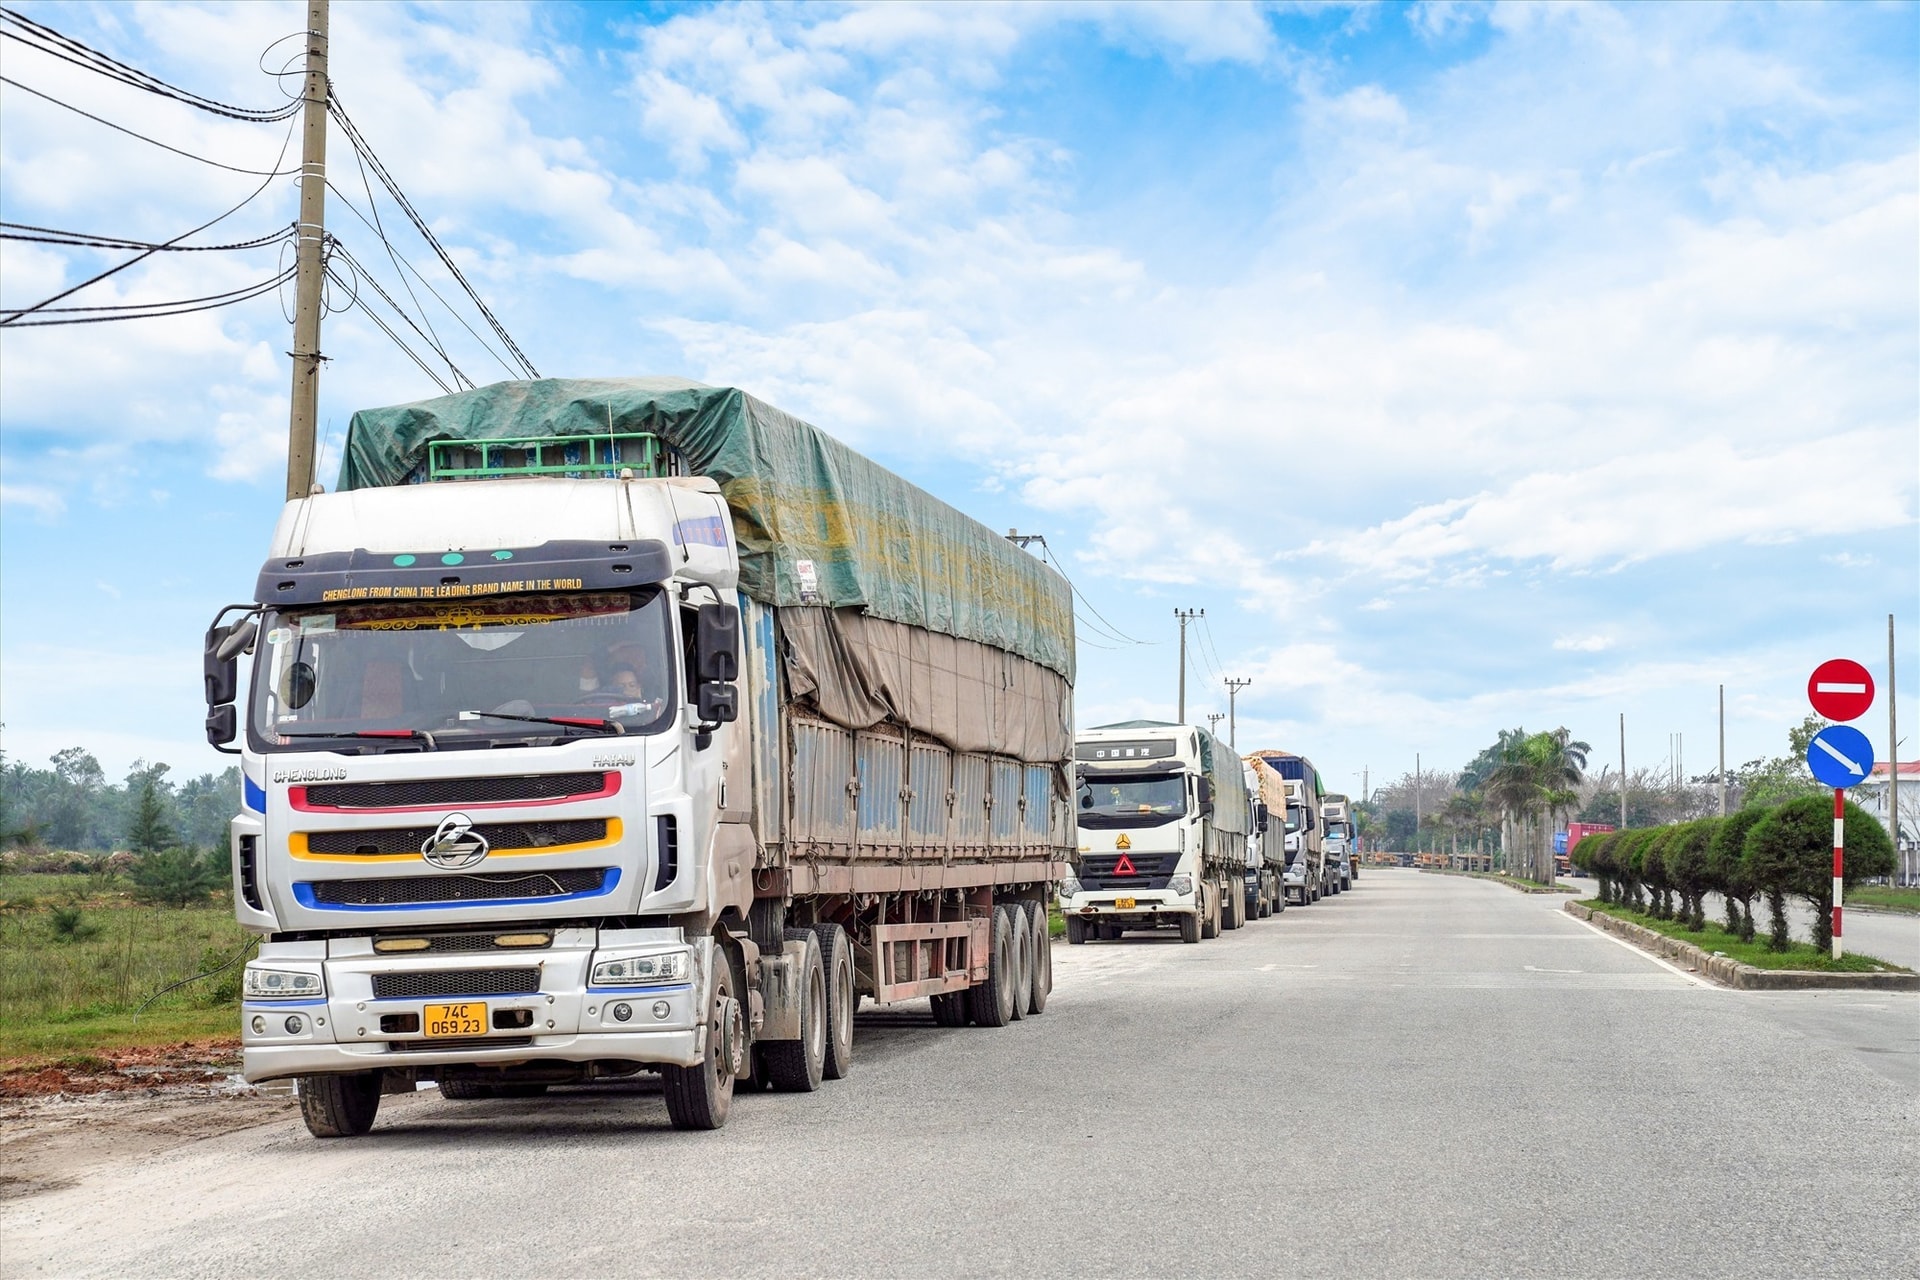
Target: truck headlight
{"type": "Point", "coordinates": [640, 971]}
{"type": "Point", "coordinates": [1180, 884]}
{"type": "Point", "coordinates": [281, 984]}
{"type": "Point", "coordinates": [1069, 887]}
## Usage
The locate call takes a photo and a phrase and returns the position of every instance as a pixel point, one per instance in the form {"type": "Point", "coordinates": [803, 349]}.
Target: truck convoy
{"type": "Point", "coordinates": [618, 726]}
{"type": "Point", "coordinates": [1343, 848]}
{"type": "Point", "coordinates": [1310, 874]}
{"type": "Point", "coordinates": [1163, 816]}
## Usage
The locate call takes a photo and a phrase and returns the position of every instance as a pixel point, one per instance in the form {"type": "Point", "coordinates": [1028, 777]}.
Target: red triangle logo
{"type": "Point", "coordinates": [1124, 867]}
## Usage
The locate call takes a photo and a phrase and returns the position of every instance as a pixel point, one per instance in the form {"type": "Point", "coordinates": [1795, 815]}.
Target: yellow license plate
{"type": "Point", "coordinates": [468, 1019]}
{"type": "Point", "coordinates": [1123, 904]}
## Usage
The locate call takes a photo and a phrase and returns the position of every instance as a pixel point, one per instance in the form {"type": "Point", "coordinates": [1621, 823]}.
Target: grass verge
{"type": "Point", "coordinates": [1713, 938]}
{"type": "Point", "coordinates": [73, 974]}
{"type": "Point", "coordinates": [1884, 897]}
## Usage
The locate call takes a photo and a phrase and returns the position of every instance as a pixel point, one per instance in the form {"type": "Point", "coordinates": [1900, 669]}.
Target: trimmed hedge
{"type": "Point", "coordinates": [1783, 851]}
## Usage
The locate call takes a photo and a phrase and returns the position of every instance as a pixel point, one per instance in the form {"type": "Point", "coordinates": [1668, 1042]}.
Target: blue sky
{"type": "Point", "coordinates": [1471, 365]}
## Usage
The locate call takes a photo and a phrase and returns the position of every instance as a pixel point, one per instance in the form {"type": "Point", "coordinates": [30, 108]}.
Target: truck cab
{"type": "Point", "coordinates": [1341, 848]}
{"type": "Point", "coordinates": [1162, 836]}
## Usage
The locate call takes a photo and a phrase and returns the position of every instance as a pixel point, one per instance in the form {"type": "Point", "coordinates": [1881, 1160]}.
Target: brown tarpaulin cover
{"type": "Point", "coordinates": [859, 670]}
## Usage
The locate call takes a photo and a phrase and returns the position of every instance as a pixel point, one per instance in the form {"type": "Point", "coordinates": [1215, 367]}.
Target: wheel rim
{"type": "Point", "coordinates": [843, 1005]}
{"type": "Point", "coordinates": [817, 1033]}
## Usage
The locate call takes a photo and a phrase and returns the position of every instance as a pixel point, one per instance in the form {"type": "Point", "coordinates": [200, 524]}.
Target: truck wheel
{"type": "Point", "coordinates": [836, 957]}
{"type": "Point", "coordinates": [796, 1066]}
{"type": "Point", "coordinates": [1042, 966]}
{"type": "Point", "coordinates": [1022, 957]}
{"type": "Point", "coordinates": [950, 1009]}
{"type": "Point", "coordinates": [341, 1106]}
{"type": "Point", "coordinates": [459, 1089]}
{"type": "Point", "coordinates": [1210, 912]}
{"type": "Point", "coordinates": [1109, 932]}
{"type": "Point", "coordinates": [1190, 927]}
{"type": "Point", "coordinates": [699, 1097]}
{"type": "Point", "coordinates": [1076, 931]}
{"type": "Point", "coordinates": [991, 1002]}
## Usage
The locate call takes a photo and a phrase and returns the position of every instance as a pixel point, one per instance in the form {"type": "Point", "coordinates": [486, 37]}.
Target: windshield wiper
{"type": "Point", "coordinates": [416, 735]}
{"type": "Point", "coordinates": [565, 722]}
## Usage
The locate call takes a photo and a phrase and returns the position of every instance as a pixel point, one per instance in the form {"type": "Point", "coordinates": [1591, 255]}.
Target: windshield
{"type": "Point", "coordinates": [1296, 817]}
{"type": "Point", "coordinates": [1132, 800]}
{"type": "Point", "coordinates": [405, 669]}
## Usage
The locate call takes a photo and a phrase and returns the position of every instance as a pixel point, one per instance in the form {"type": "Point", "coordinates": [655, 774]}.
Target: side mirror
{"type": "Point", "coordinates": [220, 667]}
{"type": "Point", "coordinates": [1260, 817]}
{"type": "Point", "coordinates": [716, 644]}
{"type": "Point", "coordinates": [223, 722]}
{"type": "Point", "coordinates": [1206, 798]}
{"type": "Point", "coordinates": [717, 703]}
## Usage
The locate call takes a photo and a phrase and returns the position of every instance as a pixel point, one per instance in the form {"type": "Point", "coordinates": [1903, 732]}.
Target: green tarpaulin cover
{"type": "Point", "coordinates": [875, 541]}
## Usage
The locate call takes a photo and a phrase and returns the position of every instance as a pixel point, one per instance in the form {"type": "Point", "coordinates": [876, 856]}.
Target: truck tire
{"type": "Point", "coordinates": [1109, 932]}
{"type": "Point", "coordinates": [463, 1090]}
{"type": "Point", "coordinates": [700, 1096]}
{"type": "Point", "coordinates": [950, 1009]}
{"type": "Point", "coordinates": [991, 1002]}
{"type": "Point", "coordinates": [340, 1106]}
{"type": "Point", "coordinates": [1190, 927]}
{"type": "Point", "coordinates": [836, 957]}
{"type": "Point", "coordinates": [1042, 969]}
{"type": "Point", "coordinates": [1234, 904]}
{"type": "Point", "coordinates": [797, 1066]}
{"type": "Point", "coordinates": [1076, 931]}
{"type": "Point", "coordinates": [1022, 956]}
{"type": "Point", "coordinates": [1210, 911]}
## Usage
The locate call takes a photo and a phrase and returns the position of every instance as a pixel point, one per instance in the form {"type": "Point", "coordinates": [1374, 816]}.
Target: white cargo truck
{"type": "Point", "coordinates": [1264, 893]}
{"type": "Point", "coordinates": [1343, 851]}
{"type": "Point", "coordinates": [624, 726]}
{"type": "Point", "coordinates": [1163, 818]}
{"type": "Point", "coordinates": [1308, 876]}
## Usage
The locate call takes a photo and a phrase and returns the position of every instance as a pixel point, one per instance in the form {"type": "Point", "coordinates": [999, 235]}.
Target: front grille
{"type": "Point", "coordinates": [499, 836]}
{"type": "Point", "coordinates": [1151, 871]}
{"type": "Point", "coordinates": [454, 791]}
{"type": "Point", "coordinates": [458, 943]}
{"type": "Point", "coordinates": [456, 982]}
{"type": "Point", "coordinates": [457, 888]}
{"type": "Point", "coordinates": [443, 1046]}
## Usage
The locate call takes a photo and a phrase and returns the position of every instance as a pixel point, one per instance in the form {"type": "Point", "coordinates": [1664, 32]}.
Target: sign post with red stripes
{"type": "Point", "coordinates": [1840, 689]}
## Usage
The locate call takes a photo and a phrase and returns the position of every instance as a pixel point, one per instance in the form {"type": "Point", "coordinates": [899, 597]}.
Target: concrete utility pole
{"type": "Point", "coordinates": [1185, 616]}
{"type": "Point", "coordinates": [1233, 729]}
{"type": "Point", "coordinates": [1893, 761]}
{"type": "Point", "coordinates": [1366, 796]}
{"type": "Point", "coordinates": [1416, 798]}
{"type": "Point", "coordinates": [1213, 722]}
{"type": "Point", "coordinates": [1623, 771]}
{"type": "Point", "coordinates": [1723, 751]}
{"type": "Point", "coordinates": [309, 264]}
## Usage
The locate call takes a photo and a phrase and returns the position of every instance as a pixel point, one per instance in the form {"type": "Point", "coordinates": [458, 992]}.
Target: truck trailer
{"type": "Point", "coordinates": [599, 727]}
{"type": "Point", "coordinates": [1163, 818]}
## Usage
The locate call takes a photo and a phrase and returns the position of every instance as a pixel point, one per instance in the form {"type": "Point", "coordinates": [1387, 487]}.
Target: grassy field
{"type": "Point", "coordinates": [1802, 955]}
{"type": "Point", "coordinates": [1882, 897]}
{"type": "Point", "coordinates": [78, 957]}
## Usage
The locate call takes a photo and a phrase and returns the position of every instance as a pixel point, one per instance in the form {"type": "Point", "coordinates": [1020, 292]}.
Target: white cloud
{"type": "Point", "coordinates": [1584, 644]}
{"type": "Point", "coordinates": [46, 503]}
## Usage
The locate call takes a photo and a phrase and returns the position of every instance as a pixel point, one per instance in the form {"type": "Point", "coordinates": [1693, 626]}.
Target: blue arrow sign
{"type": "Point", "coordinates": [1840, 756]}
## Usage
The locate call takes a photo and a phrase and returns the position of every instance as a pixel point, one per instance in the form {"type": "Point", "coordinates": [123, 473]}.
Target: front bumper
{"type": "Point", "coordinates": [1148, 905]}
{"type": "Point", "coordinates": [684, 1048]}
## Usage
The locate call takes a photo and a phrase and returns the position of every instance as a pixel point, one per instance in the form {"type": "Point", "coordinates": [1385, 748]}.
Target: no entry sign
{"type": "Point", "coordinates": [1840, 689]}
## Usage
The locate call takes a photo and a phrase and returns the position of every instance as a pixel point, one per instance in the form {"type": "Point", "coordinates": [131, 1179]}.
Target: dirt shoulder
{"type": "Point", "coordinates": [59, 1122]}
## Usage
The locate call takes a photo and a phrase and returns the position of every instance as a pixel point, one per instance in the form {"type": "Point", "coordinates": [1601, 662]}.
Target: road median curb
{"type": "Point", "coordinates": [1731, 973]}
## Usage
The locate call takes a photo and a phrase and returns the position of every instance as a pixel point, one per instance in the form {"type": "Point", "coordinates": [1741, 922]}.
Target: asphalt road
{"type": "Point", "coordinates": [1430, 1076]}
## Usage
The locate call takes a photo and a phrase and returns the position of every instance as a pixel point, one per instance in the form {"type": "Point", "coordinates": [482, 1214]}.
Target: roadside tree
{"type": "Point", "coordinates": [1728, 869]}
{"type": "Point", "coordinates": [1790, 851]}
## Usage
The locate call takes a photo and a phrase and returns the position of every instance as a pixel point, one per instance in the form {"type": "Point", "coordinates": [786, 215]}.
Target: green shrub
{"type": "Point", "coordinates": [1728, 869]}
{"type": "Point", "coordinates": [1653, 870]}
{"type": "Point", "coordinates": [178, 877]}
{"type": "Point", "coordinates": [1790, 851]}
{"type": "Point", "coordinates": [1629, 859]}
{"type": "Point", "coordinates": [69, 924]}
{"type": "Point", "coordinates": [1689, 870]}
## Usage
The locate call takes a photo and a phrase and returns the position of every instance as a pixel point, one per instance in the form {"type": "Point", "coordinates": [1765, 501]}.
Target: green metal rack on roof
{"type": "Point", "coordinates": [576, 457]}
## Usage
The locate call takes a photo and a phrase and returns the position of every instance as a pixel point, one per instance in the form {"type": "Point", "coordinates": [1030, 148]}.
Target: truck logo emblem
{"type": "Point", "coordinates": [1123, 841]}
{"type": "Point", "coordinates": [454, 844]}
{"type": "Point", "coordinates": [1125, 867]}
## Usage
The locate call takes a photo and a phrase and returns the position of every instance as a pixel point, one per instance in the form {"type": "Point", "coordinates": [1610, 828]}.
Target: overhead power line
{"type": "Point", "coordinates": [18, 27]}
{"type": "Point", "coordinates": [47, 97]}
{"type": "Point", "coordinates": [146, 310]}
{"type": "Point", "coordinates": [362, 275]}
{"type": "Point", "coordinates": [13, 317]}
{"type": "Point", "coordinates": [366, 153]}
{"type": "Point", "coordinates": [85, 240]}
